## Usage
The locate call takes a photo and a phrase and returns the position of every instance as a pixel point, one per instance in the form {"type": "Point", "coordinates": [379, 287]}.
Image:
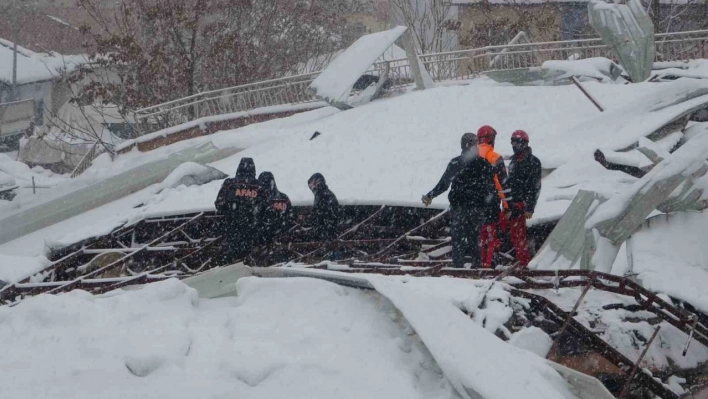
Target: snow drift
{"type": "Point", "coordinates": [162, 341]}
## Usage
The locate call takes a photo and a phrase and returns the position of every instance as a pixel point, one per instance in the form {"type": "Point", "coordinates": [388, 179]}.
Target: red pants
{"type": "Point", "coordinates": [517, 225]}
{"type": "Point", "coordinates": [489, 241]}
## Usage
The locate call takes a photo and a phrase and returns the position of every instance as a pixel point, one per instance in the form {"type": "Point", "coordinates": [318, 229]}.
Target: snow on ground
{"type": "Point", "coordinates": [22, 174]}
{"type": "Point", "coordinates": [533, 339]}
{"type": "Point", "coordinates": [162, 341]}
{"type": "Point", "coordinates": [297, 336]}
{"type": "Point", "coordinates": [670, 256]}
{"type": "Point", "coordinates": [16, 268]}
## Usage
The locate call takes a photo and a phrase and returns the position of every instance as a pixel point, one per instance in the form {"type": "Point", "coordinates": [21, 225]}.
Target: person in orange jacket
{"type": "Point", "coordinates": [489, 241]}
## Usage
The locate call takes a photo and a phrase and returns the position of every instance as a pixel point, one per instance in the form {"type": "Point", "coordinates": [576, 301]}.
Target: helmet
{"type": "Point", "coordinates": [468, 140]}
{"type": "Point", "coordinates": [486, 134]}
{"type": "Point", "coordinates": [520, 135]}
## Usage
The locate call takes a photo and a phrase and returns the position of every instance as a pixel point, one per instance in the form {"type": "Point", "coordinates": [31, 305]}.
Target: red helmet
{"type": "Point", "coordinates": [486, 134]}
{"type": "Point", "coordinates": [520, 135]}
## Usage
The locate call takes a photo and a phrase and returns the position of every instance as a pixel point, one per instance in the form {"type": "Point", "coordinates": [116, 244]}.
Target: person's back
{"type": "Point", "coordinates": [277, 214]}
{"type": "Point", "coordinates": [240, 200]}
{"type": "Point", "coordinates": [324, 219]}
{"type": "Point", "coordinates": [487, 137]}
{"type": "Point", "coordinates": [473, 188]}
{"type": "Point", "coordinates": [473, 199]}
{"type": "Point", "coordinates": [489, 240]}
{"type": "Point", "coordinates": [240, 195]}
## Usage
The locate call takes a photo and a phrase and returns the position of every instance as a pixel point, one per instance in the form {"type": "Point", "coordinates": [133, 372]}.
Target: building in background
{"type": "Point", "coordinates": [496, 22]}
{"type": "Point", "coordinates": [376, 19]}
{"type": "Point", "coordinates": [39, 80]}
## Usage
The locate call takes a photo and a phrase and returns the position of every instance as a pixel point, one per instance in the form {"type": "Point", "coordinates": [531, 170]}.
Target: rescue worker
{"type": "Point", "coordinates": [473, 200]}
{"type": "Point", "coordinates": [324, 219]}
{"type": "Point", "coordinates": [240, 200]}
{"type": "Point", "coordinates": [489, 239]}
{"type": "Point", "coordinates": [277, 215]}
{"type": "Point", "coordinates": [524, 184]}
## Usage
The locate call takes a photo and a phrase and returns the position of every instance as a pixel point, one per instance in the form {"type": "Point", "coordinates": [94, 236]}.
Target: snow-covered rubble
{"type": "Point", "coordinates": [627, 331]}
{"type": "Point", "coordinates": [192, 174]}
{"type": "Point", "coordinates": [683, 163]}
{"type": "Point", "coordinates": [16, 268]}
{"type": "Point", "coordinates": [22, 176]}
{"type": "Point", "coordinates": [390, 151]}
{"type": "Point", "coordinates": [475, 368]}
{"type": "Point", "coordinates": [336, 81]}
{"type": "Point", "coordinates": [670, 256]}
{"type": "Point", "coordinates": [303, 336]}
{"type": "Point", "coordinates": [697, 69]}
{"type": "Point", "coordinates": [280, 338]}
{"type": "Point", "coordinates": [599, 68]}
{"type": "Point", "coordinates": [6, 181]}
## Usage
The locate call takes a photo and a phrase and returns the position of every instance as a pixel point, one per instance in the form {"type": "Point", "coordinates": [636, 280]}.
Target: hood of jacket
{"type": "Point", "coordinates": [246, 169]}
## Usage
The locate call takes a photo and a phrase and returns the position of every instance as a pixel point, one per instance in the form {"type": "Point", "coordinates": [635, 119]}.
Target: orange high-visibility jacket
{"type": "Point", "coordinates": [487, 152]}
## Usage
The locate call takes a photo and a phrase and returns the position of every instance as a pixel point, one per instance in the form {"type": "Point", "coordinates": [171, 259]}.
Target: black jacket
{"type": "Point", "coordinates": [241, 199]}
{"type": "Point", "coordinates": [473, 188]}
{"type": "Point", "coordinates": [524, 182]}
{"type": "Point", "coordinates": [324, 219]}
{"type": "Point", "coordinates": [453, 168]}
{"type": "Point", "coordinates": [277, 215]}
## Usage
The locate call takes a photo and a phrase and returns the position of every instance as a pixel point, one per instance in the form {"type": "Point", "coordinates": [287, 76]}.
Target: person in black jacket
{"type": "Point", "coordinates": [524, 186]}
{"type": "Point", "coordinates": [473, 200]}
{"type": "Point", "coordinates": [324, 219]}
{"type": "Point", "coordinates": [277, 215]}
{"type": "Point", "coordinates": [240, 200]}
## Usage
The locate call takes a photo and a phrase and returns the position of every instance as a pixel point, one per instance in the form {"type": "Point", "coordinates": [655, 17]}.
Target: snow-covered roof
{"type": "Point", "coordinates": [320, 62]}
{"type": "Point", "coordinates": [335, 82]}
{"type": "Point", "coordinates": [690, 69]}
{"type": "Point", "coordinates": [393, 151]}
{"type": "Point", "coordinates": [34, 67]}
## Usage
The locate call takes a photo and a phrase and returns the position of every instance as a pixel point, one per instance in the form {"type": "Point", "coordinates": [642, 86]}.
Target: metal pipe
{"type": "Point", "coordinates": [570, 316]}
{"type": "Point", "coordinates": [625, 389]}
{"type": "Point", "coordinates": [248, 85]}
{"type": "Point", "coordinates": [579, 86]}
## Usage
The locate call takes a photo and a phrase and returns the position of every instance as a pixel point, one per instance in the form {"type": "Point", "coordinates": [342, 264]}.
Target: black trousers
{"type": "Point", "coordinates": [238, 241]}
{"type": "Point", "coordinates": [465, 227]}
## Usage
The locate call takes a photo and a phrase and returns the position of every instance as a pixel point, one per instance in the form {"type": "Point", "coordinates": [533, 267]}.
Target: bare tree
{"type": "Point", "coordinates": [497, 24]}
{"type": "Point", "coordinates": [161, 50]}
{"type": "Point", "coordinates": [678, 15]}
{"type": "Point", "coordinates": [432, 22]}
